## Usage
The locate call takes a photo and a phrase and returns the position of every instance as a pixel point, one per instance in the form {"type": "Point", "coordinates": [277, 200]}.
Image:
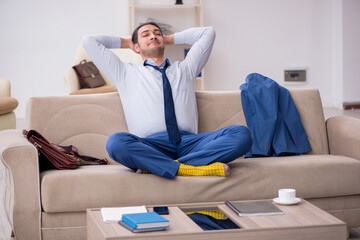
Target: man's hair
{"type": "Point", "coordinates": [134, 36]}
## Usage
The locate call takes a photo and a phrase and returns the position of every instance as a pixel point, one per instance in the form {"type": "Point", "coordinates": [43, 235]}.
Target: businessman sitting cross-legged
{"type": "Point", "coordinates": [159, 103]}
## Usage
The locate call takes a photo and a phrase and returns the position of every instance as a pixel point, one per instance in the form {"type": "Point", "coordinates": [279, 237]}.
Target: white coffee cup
{"type": "Point", "coordinates": [287, 195]}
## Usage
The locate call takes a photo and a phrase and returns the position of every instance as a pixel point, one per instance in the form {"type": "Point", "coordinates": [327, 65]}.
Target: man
{"type": "Point", "coordinates": [159, 104]}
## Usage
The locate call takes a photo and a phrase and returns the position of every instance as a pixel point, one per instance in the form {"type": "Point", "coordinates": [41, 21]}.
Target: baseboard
{"type": "Point", "coordinates": [351, 105]}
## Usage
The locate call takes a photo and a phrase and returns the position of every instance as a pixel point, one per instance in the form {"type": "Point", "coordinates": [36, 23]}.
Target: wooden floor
{"type": "Point", "coordinates": [5, 228]}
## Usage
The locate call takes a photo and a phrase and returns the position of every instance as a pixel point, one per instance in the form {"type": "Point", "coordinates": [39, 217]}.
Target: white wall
{"type": "Point", "coordinates": [337, 56]}
{"type": "Point", "coordinates": [38, 40]}
{"type": "Point", "coordinates": [269, 36]}
{"type": "Point", "coordinates": [351, 52]}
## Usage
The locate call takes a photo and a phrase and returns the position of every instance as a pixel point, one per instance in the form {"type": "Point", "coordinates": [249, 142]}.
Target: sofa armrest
{"type": "Point", "coordinates": [344, 136]}
{"type": "Point", "coordinates": [71, 80]}
{"type": "Point", "coordinates": [19, 170]}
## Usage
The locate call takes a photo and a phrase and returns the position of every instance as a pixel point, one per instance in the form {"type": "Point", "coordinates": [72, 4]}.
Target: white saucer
{"type": "Point", "coordinates": [295, 201]}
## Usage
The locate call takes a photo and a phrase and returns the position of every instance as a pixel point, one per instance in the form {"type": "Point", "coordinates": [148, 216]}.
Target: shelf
{"type": "Point", "coordinates": [190, 14]}
{"type": "Point", "coordinates": [165, 6]}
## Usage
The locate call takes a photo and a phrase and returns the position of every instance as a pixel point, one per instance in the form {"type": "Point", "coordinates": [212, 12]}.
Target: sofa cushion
{"type": "Point", "coordinates": [313, 176]}
{"type": "Point", "coordinates": [7, 104]}
{"type": "Point", "coordinates": [85, 121]}
{"type": "Point", "coordinates": [102, 89]}
{"type": "Point", "coordinates": [220, 109]}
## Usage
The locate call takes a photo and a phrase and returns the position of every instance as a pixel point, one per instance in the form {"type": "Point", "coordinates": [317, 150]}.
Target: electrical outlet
{"type": "Point", "coordinates": [295, 75]}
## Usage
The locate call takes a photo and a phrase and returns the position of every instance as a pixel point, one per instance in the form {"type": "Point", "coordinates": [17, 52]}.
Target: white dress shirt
{"type": "Point", "coordinates": [140, 87]}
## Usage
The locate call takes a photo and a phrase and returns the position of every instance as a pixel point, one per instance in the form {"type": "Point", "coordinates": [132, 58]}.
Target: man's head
{"type": "Point", "coordinates": [148, 40]}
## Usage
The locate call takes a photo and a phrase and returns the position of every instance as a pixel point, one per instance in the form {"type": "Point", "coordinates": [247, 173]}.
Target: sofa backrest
{"type": "Point", "coordinates": [220, 109]}
{"type": "Point", "coordinates": [86, 121]}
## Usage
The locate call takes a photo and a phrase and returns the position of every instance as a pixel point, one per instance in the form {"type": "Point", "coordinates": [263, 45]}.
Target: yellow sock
{"type": "Point", "coordinates": [212, 213]}
{"type": "Point", "coordinates": [214, 169]}
{"type": "Point", "coordinates": [142, 171]}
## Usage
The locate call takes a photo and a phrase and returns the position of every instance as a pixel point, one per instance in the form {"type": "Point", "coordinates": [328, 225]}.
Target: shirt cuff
{"type": "Point", "coordinates": [115, 42]}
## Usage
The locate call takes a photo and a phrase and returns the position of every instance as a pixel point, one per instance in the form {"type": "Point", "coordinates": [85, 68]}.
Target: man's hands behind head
{"type": "Point", "coordinates": [169, 39]}
{"type": "Point", "coordinates": [127, 43]}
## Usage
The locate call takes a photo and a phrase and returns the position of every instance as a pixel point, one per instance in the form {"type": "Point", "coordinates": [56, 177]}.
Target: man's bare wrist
{"type": "Point", "coordinates": [169, 39]}
{"type": "Point", "coordinates": [125, 43]}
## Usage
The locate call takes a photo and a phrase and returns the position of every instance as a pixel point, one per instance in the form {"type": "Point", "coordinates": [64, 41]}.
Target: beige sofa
{"type": "Point", "coordinates": [7, 106]}
{"type": "Point", "coordinates": [52, 204]}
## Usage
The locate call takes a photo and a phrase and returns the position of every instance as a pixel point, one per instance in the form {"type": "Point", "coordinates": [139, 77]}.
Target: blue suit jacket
{"type": "Point", "coordinates": [273, 118]}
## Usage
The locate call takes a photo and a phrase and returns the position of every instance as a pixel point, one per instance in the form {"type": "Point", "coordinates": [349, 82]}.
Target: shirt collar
{"type": "Point", "coordinates": [151, 62]}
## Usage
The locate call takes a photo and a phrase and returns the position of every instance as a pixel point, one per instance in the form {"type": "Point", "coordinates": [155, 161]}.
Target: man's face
{"type": "Point", "coordinates": [150, 42]}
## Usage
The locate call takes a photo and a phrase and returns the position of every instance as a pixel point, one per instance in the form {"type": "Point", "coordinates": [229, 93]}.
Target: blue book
{"type": "Point", "coordinates": [145, 220]}
{"type": "Point", "coordinates": [141, 229]}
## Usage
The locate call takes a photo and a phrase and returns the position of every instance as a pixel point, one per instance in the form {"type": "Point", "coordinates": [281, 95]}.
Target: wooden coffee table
{"type": "Point", "coordinates": [301, 221]}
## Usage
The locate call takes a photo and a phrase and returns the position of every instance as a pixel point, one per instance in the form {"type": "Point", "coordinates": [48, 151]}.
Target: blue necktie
{"type": "Point", "coordinates": [170, 117]}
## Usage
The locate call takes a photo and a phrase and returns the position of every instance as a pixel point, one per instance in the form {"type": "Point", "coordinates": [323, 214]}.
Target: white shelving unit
{"type": "Point", "coordinates": [180, 17]}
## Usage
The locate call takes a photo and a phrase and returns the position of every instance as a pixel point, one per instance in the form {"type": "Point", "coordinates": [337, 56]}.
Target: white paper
{"type": "Point", "coordinates": [113, 215]}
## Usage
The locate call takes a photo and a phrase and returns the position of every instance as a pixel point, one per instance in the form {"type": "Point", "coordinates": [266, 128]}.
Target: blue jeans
{"type": "Point", "coordinates": [156, 154]}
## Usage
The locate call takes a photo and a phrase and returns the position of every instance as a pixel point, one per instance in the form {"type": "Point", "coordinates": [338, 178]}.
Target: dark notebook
{"type": "Point", "coordinates": [254, 208]}
{"type": "Point", "coordinates": [141, 230]}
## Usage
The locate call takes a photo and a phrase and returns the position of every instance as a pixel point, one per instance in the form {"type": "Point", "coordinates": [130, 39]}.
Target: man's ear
{"type": "Point", "coordinates": [137, 47]}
